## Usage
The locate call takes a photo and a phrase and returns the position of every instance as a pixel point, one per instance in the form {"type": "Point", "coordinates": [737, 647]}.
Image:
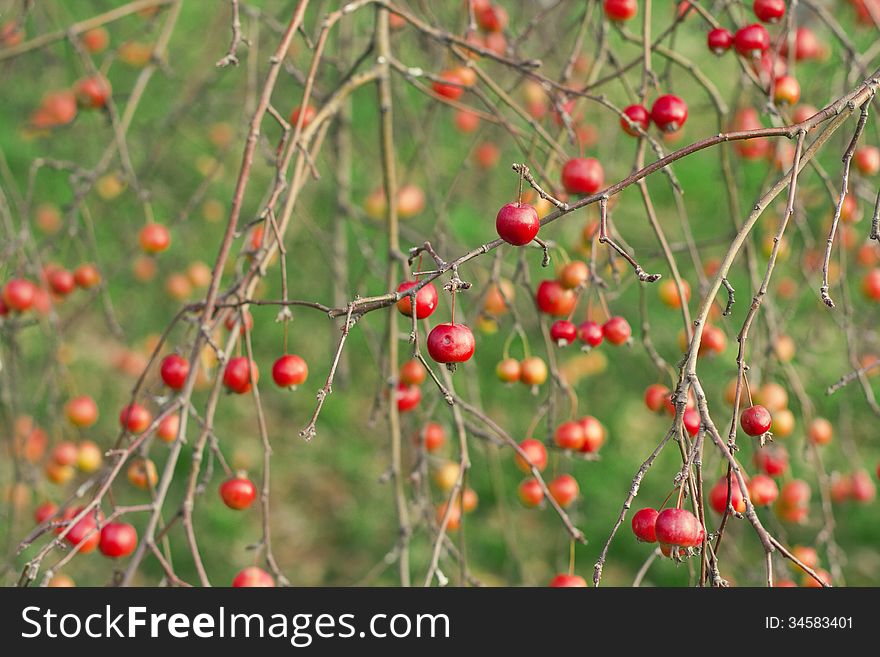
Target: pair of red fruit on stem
{"type": "Point", "coordinates": [448, 343]}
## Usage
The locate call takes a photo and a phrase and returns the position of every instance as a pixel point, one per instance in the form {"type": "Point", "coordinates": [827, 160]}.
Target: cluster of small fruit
{"type": "Point", "coordinates": [564, 489]}
{"type": "Point", "coordinates": [59, 108]}
{"type": "Point", "coordinates": [753, 42]}
{"type": "Point", "coordinates": [21, 295]}
{"type": "Point", "coordinates": [448, 343]}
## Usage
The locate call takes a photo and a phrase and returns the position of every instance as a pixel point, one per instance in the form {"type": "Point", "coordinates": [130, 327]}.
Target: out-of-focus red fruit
{"type": "Point", "coordinates": [762, 490]}
{"type": "Point", "coordinates": [591, 333]}
{"type": "Point", "coordinates": [772, 460]}
{"type": "Point", "coordinates": [656, 396]}
{"type": "Point", "coordinates": [567, 581]}
{"type": "Point", "coordinates": [253, 577]}
{"type": "Point", "coordinates": [582, 175]}
{"type": "Point", "coordinates": [569, 435]}
{"type": "Point", "coordinates": [594, 434]}
{"type": "Point", "coordinates": [535, 452]}
{"type": "Point", "coordinates": [530, 492]}
{"type": "Point", "coordinates": [555, 300]}
{"type": "Point", "coordinates": [564, 489]}
{"type": "Point", "coordinates": [637, 115]}
{"type": "Point", "coordinates": [617, 330]}
{"type": "Point", "coordinates": [806, 46]}
{"type": "Point", "coordinates": [719, 492]}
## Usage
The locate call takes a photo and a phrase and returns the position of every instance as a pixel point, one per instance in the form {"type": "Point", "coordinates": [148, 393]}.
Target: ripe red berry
{"type": "Point", "coordinates": [594, 434]}
{"type": "Point", "coordinates": [492, 18]}
{"type": "Point", "coordinates": [755, 420]}
{"type": "Point", "coordinates": [867, 160]}
{"type": "Point", "coordinates": [563, 332]}
{"type": "Point", "coordinates": [412, 372]}
{"type": "Point", "coordinates": [238, 492]}
{"type": "Point", "coordinates": [61, 281]}
{"type": "Point", "coordinates": [616, 330]}
{"type": "Point", "coordinates": [81, 411]}
{"type": "Point", "coordinates": [563, 581]}
{"type": "Point", "coordinates": [466, 121]}
{"type": "Point", "coordinates": [772, 461]}
{"type": "Point", "coordinates": [583, 175]}
{"type": "Point", "coordinates": [591, 333]}
{"type": "Point", "coordinates": [719, 40]}
{"type": "Point", "coordinates": [517, 223]}
{"type": "Point", "coordinates": [289, 371]}
{"type": "Point", "coordinates": [718, 496]}
{"type": "Point", "coordinates": [432, 436]}
{"type": "Point", "coordinates": [426, 300]}
{"type": "Point", "coordinates": [308, 116]}
{"type": "Point", "coordinates": [564, 489]}
{"type": "Point", "coordinates": [795, 493]}
{"type": "Point", "coordinates": [174, 370]}
{"type": "Point", "coordinates": [691, 421]}
{"type": "Point", "coordinates": [92, 92]}
{"type": "Point", "coordinates": [535, 452]}
{"type": "Point", "coordinates": [638, 115]}
{"type": "Point", "coordinates": [787, 90]}
{"type": "Point", "coordinates": [86, 276]}
{"type": "Point", "coordinates": [530, 492]}
{"type": "Point", "coordinates": [253, 577]}
{"type": "Point", "coordinates": [573, 274]}
{"type": "Point", "coordinates": [237, 375]}
{"type": "Point", "coordinates": [451, 343]}
{"type": "Point", "coordinates": [118, 539]}
{"type": "Point", "coordinates": [168, 428]}
{"type": "Point", "coordinates": [84, 533]}
{"type": "Point", "coordinates": [45, 511]}
{"type": "Point", "coordinates": [621, 10]}
{"type": "Point", "coordinates": [154, 238]}
{"type": "Point", "coordinates": [96, 40]}
{"type": "Point", "coordinates": [553, 299]}
{"type": "Point", "coordinates": [863, 489]}
{"type": "Point", "coordinates": [19, 294]}
{"type": "Point", "coordinates": [806, 45]}
{"type": "Point", "coordinates": [762, 490]}
{"type": "Point", "coordinates": [669, 113]}
{"type": "Point", "coordinates": [135, 418]}
{"type": "Point", "coordinates": [569, 435]}
{"type": "Point", "coordinates": [656, 396]}
{"type": "Point", "coordinates": [408, 397]}
{"type": "Point", "coordinates": [678, 527]}
{"type": "Point", "coordinates": [442, 86]}
{"type": "Point", "coordinates": [643, 522]}
{"type": "Point", "coordinates": [871, 285]}
{"type": "Point", "coordinates": [769, 11]}
{"type": "Point", "coordinates": [752, 40]}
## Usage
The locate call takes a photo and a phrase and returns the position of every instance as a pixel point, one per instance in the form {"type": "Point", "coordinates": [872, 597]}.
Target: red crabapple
{"type": "Point", "coordinates": [755, 420]}
{"type": "Point", "coordinates": [289, 371]}
{"type": "Point", "coordinates": [643, 522]}
{"type": "Point", "coordinates": [238, 492]}
{"type": "Point", "coordinates": [451, 343]}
